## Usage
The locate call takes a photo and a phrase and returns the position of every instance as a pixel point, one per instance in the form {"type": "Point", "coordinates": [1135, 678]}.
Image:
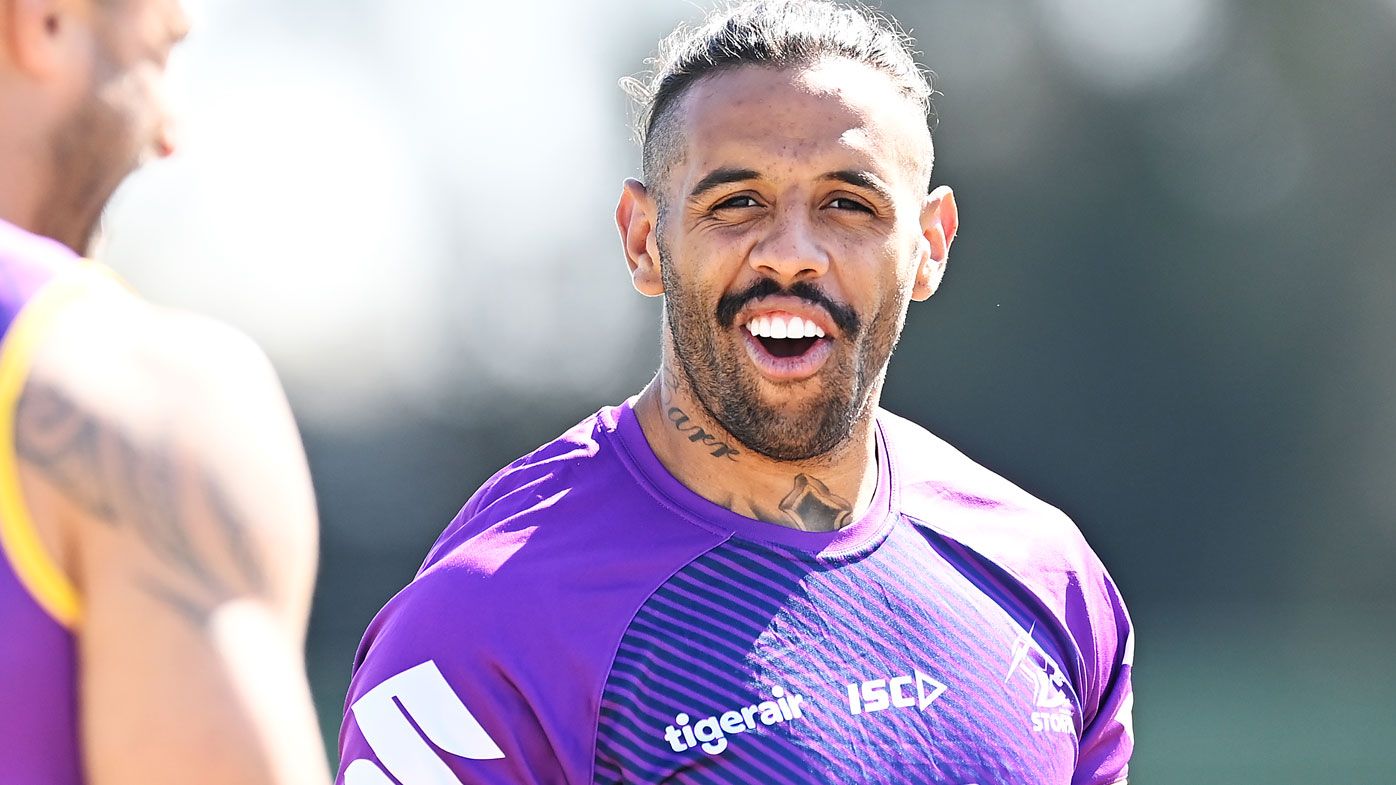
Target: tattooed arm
{"type": "Point", "coordinates": [160, 461]}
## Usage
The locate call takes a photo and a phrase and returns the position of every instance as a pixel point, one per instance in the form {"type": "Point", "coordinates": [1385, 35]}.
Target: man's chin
{"type": "Point", "coordinates": [786, 426]}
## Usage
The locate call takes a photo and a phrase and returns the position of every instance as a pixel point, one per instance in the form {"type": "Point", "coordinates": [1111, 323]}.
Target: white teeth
{"type": "Point", "coordinates": [782, 327]}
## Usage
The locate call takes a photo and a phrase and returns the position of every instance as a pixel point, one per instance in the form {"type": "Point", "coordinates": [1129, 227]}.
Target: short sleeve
{"type": "Point", "coordinates": [431, 703]}
{"type": "Point", "coordinates": [1107, 741]}
{"type": "Point", "coordinates": [488, 668]}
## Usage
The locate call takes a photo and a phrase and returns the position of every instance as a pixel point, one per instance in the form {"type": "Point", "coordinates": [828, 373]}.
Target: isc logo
{"type": "Point", "coordinates": [902, 692]}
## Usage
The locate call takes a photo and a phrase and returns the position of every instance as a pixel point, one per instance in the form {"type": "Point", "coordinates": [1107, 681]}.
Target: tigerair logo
{"type": "Point", "coordinates": [1031, 665]}
{"type": "Point", "coordinates": [913, 691]}
{"type": "Point", "coordinates": [710, 733]}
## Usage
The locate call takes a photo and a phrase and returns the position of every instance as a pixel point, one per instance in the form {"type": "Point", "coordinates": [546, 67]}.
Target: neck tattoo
{"type": "Point", "coordinates": [809, 505]}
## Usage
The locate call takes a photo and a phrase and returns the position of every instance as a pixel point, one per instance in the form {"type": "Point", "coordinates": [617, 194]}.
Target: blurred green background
{"type": "Point", "coordinates": [1169, 310]}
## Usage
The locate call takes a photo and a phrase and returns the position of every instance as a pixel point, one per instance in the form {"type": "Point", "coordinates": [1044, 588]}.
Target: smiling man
{"type": "Point", "coordinates": [749, 572]}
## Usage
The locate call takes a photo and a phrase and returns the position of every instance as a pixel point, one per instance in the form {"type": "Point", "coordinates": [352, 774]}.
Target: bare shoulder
{"type": "Point", "coordinates": [113, 339]}
{"type": "Point", "coordinates": [164, 442]}
{"type": "Point", "coordinates": [156, 449]}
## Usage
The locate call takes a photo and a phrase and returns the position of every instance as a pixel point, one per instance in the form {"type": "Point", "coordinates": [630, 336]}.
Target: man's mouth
{"type": "Point", "coordinates": [786, 347]}
{"type": "Point", "coordinates": [785, 336]}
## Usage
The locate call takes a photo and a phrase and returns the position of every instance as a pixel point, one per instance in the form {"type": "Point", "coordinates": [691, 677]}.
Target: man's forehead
{"type": "Point", "coordinates": [837, 113]}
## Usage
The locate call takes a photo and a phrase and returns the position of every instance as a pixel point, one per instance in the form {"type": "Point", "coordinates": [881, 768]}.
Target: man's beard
{"type": "Point", "coordinates": [93, 152]}
{"type": "Point", "coordinates": [723, 381]}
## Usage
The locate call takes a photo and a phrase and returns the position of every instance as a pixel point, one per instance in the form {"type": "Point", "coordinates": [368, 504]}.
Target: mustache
{"type": "Point", "coordinates": [731, 304]}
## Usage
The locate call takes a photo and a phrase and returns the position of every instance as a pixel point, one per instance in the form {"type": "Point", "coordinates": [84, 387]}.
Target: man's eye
{"type": "Point", "coordinates": [737, 201]}
{"type": "Point", "coordinates": [843, 203]}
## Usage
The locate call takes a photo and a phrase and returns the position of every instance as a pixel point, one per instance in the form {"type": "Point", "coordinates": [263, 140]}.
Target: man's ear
{"type": "Point", "coordinates": [638, 220]}
{"type": "Point", "coordinates": [39, 35]}
{"type": "Point", "coordinates": [939, 220]}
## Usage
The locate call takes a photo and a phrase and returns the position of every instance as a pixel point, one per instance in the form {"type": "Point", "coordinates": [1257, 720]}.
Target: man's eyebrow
{"type": "Point", "coordinates": [719, 177]}
{"type": "Point", "coordinates": [866, 180]}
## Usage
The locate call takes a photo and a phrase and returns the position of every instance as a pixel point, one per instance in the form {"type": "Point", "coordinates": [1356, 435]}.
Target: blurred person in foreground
{"type": "Point", "coordinates": [749, 572]}
{"type": "Point", "coordinates": [156, 516]}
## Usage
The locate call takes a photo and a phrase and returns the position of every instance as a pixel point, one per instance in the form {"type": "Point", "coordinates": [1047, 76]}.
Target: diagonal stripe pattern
{"type": "Point", "coordinates": [896, 656]}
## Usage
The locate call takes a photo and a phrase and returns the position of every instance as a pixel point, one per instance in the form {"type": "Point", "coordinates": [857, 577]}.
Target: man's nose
{"type": "Point", "coordinates": [790, 251]}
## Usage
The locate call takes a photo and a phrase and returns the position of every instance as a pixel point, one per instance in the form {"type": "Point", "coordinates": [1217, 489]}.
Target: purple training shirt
{"type": "Point", "coordinates": [588, 619]}
{"type": "Point", "coordinates": [38, 606]}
